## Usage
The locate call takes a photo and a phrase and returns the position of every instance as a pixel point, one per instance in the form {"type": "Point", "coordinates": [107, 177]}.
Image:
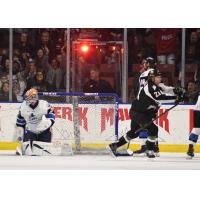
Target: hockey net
{"type": "Point", "coordinates": [87, 121]}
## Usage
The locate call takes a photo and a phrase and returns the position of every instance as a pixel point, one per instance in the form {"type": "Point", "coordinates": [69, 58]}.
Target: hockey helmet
{"type": "Point", "coordinates": [31, 96]}
{"type": "Point", "coordinates": [154, 73]}
{"type": "Point", "coordinates": [151, 62]}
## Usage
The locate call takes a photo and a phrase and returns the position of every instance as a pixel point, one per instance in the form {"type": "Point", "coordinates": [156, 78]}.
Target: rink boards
{"type": "Point", "coordinates": [174, 127]}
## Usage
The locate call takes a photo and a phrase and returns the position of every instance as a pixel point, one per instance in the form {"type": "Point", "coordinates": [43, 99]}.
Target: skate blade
{"type": "Point", "coordinates": [141, 155]}
{"type": "Point", "coordinates": [157, 154]}
{"type": "Point", "coordinates": [125, 153]}
{"type": "Point", "coordinates": [189, 157]}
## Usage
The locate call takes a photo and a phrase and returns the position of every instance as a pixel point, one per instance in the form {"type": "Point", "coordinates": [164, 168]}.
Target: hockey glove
{"type": "Point", "coordinates": [179, 91]}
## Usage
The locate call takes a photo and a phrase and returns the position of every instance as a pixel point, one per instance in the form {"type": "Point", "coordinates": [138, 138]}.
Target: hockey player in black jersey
{"type": "Point", "coordinates": [149, 65]}
{"type": "Point", "coordinates": [143, 110]}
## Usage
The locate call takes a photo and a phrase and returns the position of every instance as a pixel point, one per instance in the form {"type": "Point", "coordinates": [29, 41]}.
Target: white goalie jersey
{"type": "Point", "coordinates": [36, 120]}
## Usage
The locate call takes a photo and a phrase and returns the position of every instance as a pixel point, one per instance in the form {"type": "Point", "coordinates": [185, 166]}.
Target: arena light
{"type": "Point", "coordinates": [113, 48]}
{"type": "Point", "coordinates": [84, 48]}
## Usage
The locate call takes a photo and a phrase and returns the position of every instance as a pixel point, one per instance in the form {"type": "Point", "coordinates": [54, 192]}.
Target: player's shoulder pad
{"type": "Point", "coordinates": [146, 73]}
{"type": "Point", "coordinates": [23, 105]}
{"type": "Point", "coordinates": [44, 103]}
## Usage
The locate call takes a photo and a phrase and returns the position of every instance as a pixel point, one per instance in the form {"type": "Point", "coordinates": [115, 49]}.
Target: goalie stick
{"type": "Point", "coordinates": [129, 153]}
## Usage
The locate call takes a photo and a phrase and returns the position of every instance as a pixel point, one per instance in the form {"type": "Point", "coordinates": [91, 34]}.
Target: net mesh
{"type": "Point", "coordinates": [88, 122]}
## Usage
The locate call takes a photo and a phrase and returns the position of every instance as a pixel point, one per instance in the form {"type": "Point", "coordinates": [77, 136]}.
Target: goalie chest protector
{"type": "Point", "coordinates": [34, 116]}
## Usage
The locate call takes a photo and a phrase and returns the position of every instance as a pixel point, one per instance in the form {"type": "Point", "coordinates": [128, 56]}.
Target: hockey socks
{"type": "Point", "coordinates": [150, 147]}
{"type": "Point", "coordinates": [193, 138]}
{"type": "Point", "coordinates": [192, 141]}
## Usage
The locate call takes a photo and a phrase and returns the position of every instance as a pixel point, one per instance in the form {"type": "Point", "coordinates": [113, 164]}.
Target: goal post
{"type": "Point", "coordinates": [89, 121]}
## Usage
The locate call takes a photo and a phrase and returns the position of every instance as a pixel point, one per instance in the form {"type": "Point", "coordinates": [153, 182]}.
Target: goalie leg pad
{"type": "Point", "coordinates": [27, 148]}
{"type": "Point", "coordinates": [51, 149]}
{"type": "Point", "coordinates": [19, 134]}
{"type": "Point", "coordinates": [193, 137]}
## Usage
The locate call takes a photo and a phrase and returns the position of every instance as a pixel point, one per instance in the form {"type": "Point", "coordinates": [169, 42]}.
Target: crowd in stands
{"type": "Point", "coordinates": [39, 57]}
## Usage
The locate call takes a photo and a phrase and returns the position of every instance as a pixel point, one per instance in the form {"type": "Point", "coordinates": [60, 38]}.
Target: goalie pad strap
{"type": "Point", "coordinates": [47, 149]}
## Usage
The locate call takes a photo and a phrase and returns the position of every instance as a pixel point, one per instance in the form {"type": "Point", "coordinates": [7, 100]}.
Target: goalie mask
{"type": "Point", "coordinates": [31, 96]}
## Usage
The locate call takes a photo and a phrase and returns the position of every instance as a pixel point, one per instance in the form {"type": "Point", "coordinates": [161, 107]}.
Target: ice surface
{"type": "Point", "coordinates": [165, 161]}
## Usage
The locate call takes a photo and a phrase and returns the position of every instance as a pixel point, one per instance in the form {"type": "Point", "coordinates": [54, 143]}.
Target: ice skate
{"type": "Point", "coordinates": [112, 149]}
{"type": "Point", "coordinates": [156, 151]}
{"type": "Point", "coordinates": [150, 154]}
{"type": "Point", "coordinates": [190, 152]}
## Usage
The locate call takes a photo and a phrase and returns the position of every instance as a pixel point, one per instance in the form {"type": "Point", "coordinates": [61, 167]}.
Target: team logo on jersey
{"type": "Point", "coordinates": [33, 118]}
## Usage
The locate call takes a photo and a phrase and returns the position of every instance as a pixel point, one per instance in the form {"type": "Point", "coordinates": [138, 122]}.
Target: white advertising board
{"type": "Point", "coordinates": [97, 123]}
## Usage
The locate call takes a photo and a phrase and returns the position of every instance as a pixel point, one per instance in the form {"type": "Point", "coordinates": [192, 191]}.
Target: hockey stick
{"type": "Point", "coordinates": [145, 126]}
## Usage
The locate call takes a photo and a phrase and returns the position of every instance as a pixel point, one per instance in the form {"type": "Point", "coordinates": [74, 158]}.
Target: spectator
{"type": "Point", "coordinates": [166, 45]}
{"type": "Point", "coordinates": [23, 44]}
{"type": "Point", "coordinates": [191, 92]}
{"type": "Point", "coordinates": [3, 53]}
{"type": "Point", "coordinates": [54, 76]}
{"type": "Point", "coordinates": [57, 36]}
{"type": "Point", "coordinates": [3, 79]}
{"type": "Point", "coordinates": [96, 84]}
{"type": "Point", "coordinates": [30, 72]}
{"type": "Point", "coordinates": [61, 61]}
{"type": "Point", "coordinates": [18, 91]}
{"type": "Point", "coordinates": [4, 96]}
{"type": "Point", "coordinates": [38, 82]}
{"type": "Point", "coordinates": [193, 49]}
{"type": "Point", "coordinates": [6, 66]}
{"type": "Point", "coordinates": [18, 80]}
{"type": "Point", "coordinates": [46, 44]}
{"type": "Point", "coordinates": [42, 59]}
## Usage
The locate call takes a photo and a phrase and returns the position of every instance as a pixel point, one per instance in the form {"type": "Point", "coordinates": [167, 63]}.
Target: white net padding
{"type": "Point", "coordinates": [88, 121]}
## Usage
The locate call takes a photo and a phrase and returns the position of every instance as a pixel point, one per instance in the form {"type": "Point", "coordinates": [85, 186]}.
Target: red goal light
{"type": "Point", "coordinates": [84, 48]}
